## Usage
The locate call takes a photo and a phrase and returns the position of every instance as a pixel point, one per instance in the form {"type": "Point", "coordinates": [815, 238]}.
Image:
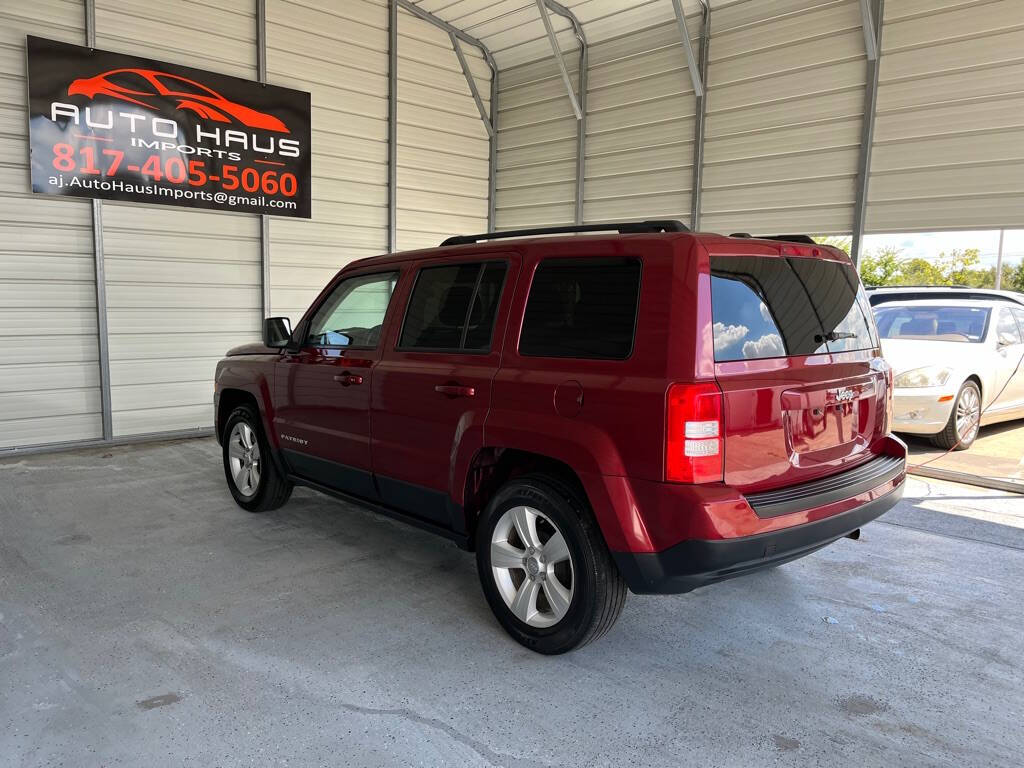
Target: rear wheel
{"type": "Point", "coordinates": [962, 428]}
{"type": "Point", "coordinates": [253, 479]}
{"type": "Point", "coordinates": [544, 566]}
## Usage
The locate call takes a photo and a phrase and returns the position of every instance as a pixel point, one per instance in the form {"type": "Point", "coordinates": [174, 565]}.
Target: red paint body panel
{"type": "Point", "coordinates": [784, 423]}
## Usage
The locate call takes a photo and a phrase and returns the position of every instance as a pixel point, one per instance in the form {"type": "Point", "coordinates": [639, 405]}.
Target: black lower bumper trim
{"type": "Point", "coordinates": [692, 564]}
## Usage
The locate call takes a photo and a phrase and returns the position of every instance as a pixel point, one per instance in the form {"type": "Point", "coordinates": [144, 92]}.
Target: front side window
{"type": "Point", "coordinates": [582, 308]}
{"type": "Point", "coordinates": [353, 314]}
{"type": "Point", "coordinates": [766, 307]}
{"type": "Point", "coordinates": [453, 307]}
{"type": "Point", "coordinates": [931, 322]}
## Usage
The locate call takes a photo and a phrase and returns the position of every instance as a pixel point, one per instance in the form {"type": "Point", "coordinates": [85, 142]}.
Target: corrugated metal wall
{"type": "Point", "coordinates": [640, 118]}
{"type": "Point", "coordinates": [443, 145]}
{"type": "Point", "coordinates": [49, 376]}
{"type": "Point", "coordinates": [785, 108]}
{"type": "Point", "coordinates": [182, 286]}
{"type": "Point", "coordinates": [338, 52]}
{"type": "Point", "coordinates": [536, 173]}
{"type": "Point", "coordinates": [949, 135]}
{"type": "Point", "coordinates": [785, 105]}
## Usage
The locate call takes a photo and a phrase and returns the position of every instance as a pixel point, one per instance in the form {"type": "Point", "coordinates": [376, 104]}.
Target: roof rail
{"type": "Point", "coordinates": [625, 227]}
{"type": "Point", "coordinates": [785, 238]}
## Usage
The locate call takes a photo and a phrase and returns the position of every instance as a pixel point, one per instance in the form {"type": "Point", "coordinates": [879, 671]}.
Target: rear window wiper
{"type": "Point", "coordinates": [833, 336]}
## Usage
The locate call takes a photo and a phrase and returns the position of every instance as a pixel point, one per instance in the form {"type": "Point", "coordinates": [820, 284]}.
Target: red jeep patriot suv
{"type": "Point", "coordinates": [653, 409]}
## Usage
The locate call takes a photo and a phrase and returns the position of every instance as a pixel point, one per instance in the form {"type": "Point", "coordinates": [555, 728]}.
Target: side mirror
{"type": "Point", "coordinates": [277, 332]}
{"type": "Point", "coordinates": [1005, 340]}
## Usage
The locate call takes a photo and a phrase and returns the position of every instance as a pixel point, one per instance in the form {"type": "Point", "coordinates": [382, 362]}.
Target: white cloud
{"type": "Point", "coordinates": [766, 315]}
{"type": "Point", "coordinates": [727, 335]}
{"type": "Point", "coordinates": [769, 345]}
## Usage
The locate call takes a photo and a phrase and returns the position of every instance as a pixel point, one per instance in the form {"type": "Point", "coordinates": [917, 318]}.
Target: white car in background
{"type": "Point", "coordinates": [958, 363]}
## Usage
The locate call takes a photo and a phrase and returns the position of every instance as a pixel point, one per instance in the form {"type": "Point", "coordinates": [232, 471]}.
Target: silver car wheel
{"type": "Point", "coordinates": [968, 414]}
{"type": "Point", "coordinates": [244, 459]}
{"type": "Point", "coordinates": [532, 567]}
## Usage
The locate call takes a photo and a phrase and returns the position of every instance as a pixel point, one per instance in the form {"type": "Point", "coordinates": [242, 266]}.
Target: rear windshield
{"type": "Point", "coordinates": [784, 307]}
{"type": "Point", "coordinates": [933, 323]}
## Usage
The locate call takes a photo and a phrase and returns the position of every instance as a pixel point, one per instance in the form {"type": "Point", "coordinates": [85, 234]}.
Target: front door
{"type": "Point", "coordinates": [323, 389]}
{"type": "Point", "coordinates": [1009, 380]}
{"type": "Point", "coordinates": [432, 391]}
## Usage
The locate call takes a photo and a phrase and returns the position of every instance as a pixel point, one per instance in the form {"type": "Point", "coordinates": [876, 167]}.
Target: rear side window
{"type": "Point", "coordinates": [452, 308]}
{"type": "Point", "coordinates": [584, 308]}
{"type": "Point", "coordinates": [1006, 328]}
{"type": "Point", "coordinates": [779, 307]}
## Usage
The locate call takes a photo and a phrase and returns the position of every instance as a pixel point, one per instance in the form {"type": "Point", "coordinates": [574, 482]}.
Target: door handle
{"type": "Point", "coordinates": [455, 390]}
{"type": "Point", "coordinates": [348, 379]}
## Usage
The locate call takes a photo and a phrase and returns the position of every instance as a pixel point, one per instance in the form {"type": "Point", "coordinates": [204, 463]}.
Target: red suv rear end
{"type": "Point", "coordinates": [653, 409]}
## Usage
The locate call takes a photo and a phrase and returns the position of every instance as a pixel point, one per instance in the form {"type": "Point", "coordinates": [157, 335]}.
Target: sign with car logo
{"type": "Point", "coordinates": [119, 127]}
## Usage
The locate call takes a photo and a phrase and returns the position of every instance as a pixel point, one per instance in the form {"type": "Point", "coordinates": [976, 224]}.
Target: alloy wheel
{"type": "Point", "coordinates": [532, 566]}
{"type": "Point", "coordinates": [244, 459]}
{"type": "Point", "coordinates": [968, 414]}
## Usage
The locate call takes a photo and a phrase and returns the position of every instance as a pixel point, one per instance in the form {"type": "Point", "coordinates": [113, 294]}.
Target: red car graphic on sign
{"type": "Point", "coordinates": [144, 86]}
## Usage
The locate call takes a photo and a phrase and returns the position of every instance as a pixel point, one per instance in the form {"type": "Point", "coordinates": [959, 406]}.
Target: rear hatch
{"type": "Point", "coordinates": [796, 357]}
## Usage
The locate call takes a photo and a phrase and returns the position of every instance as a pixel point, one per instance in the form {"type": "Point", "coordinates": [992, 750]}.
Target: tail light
{"type": "Point", "coordinates": [694, 445]}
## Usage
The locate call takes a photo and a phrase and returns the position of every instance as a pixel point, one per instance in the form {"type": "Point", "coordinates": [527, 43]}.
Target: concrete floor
{"type": "Point", "coordinates": [148, 621]}
{"type": "Point", "coordinates": [997, 452]}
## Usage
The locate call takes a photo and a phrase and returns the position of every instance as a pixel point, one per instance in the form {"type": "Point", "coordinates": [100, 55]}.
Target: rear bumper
{"type": "Point", "coordinates": [694, 563]}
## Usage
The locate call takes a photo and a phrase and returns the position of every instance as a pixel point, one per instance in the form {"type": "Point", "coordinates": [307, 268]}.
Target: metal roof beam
{"type": "Point", "coordinates": [545, 16]}
{"type": "Point", "coordinates": [471, 82]}
{"type": "Point", "coordinates": [691, 60]}
{"type": "Point", "coordinates": [867, 135]}
{"type": "Point", "coordinates": [701, 118]}
{"type": "Point", "coordinates": [870, 34]}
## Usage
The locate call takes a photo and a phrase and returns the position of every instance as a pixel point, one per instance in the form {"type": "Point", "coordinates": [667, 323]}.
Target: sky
{"type": "Point", "coordinates": [930, 244]}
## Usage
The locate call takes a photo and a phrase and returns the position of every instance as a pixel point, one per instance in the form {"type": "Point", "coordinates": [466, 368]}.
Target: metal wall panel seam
{"type": "Point", "coordinates": [261, 74]}
{"type": "Point", "coordinates": [867, 135]}
{"type": "Point", "coordinates": [392, 125]}
{"type": "Point", "coordinates": [102, 340]}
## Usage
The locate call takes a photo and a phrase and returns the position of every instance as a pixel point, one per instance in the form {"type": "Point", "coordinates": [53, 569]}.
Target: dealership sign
{"type": "Point", "coordinates": [124, 128]}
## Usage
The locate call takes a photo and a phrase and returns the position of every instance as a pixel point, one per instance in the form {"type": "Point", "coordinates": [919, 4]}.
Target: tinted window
{"type": "Point", "coordinates": [353, 314]}
{"type": "Point", "coordinates": [582, 308]}
{"type": "Point", "coordinates": [778, 307]}
{"type": "Point", "coordinates": [439, 315]}
{"type": "Point", "coordinates": [1006, 327]}
{"type": "Point", "coordinates": [931, 322]}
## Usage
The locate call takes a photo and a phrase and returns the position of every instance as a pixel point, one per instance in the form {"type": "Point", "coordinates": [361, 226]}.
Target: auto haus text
{"type": "Point", "coordinates": [165, 134]}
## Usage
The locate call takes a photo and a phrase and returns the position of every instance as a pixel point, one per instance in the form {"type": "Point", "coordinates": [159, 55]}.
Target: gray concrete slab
{"type": "Point", "coordinates": [148, 621]}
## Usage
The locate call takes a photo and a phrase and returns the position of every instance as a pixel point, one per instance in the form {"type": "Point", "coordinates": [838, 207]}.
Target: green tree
{"type": "Point", "coordinates": [1014, 281]}
{"type": "Point", "coordinates": [880, 266]}
{"type": "Point", "coordinates": [836, 241]}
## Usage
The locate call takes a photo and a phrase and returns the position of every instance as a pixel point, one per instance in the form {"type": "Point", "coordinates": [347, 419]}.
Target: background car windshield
{"type": "Point", "coordinates": [778, 307]}
{"type": "Point", "coordinates": [937, 323]}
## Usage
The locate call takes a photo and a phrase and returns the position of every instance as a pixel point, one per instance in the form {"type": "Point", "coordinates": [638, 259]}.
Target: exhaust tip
{"type": "Point", "coordinates": [855, 534]}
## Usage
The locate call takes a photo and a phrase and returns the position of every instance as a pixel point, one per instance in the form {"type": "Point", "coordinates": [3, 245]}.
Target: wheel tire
{"type": "Point", "coordinates": [598, 591]}
{"type": "Point", "coordinates": [950, 437]}
{"type": "Point", "coordinates": [272, 489]}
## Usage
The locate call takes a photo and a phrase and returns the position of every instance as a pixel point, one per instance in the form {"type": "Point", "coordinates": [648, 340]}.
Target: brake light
{"type": "Point", "coordinates": [694, 433]}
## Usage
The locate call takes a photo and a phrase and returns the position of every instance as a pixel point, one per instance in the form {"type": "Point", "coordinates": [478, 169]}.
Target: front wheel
{"type": "Point", "coordinates": [962, 428]}
{"type": "Point", "coordinates": [544, 566]}
{"type": "Point", "coordinates": [253, 479]}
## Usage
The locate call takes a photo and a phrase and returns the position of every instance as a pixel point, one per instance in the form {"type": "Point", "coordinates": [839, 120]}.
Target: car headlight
{"type": "Point", "coordinates": [932, 376]}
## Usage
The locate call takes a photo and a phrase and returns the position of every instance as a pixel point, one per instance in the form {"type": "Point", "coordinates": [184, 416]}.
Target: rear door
{"type": "Point", "coordinates": [1008, 384]}
{"type": "Point", "coordinates": [797, 360]}
{"type": "Point", "coordinates": [432, 390]}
